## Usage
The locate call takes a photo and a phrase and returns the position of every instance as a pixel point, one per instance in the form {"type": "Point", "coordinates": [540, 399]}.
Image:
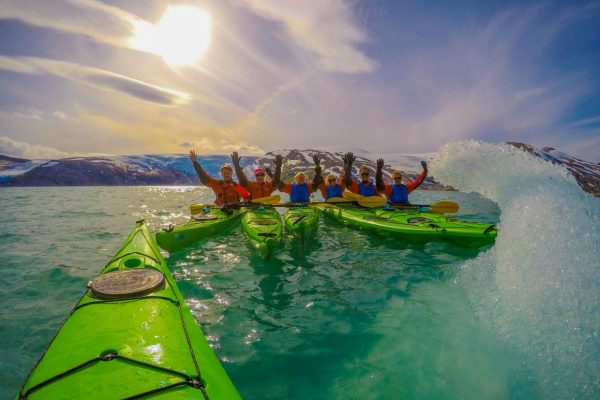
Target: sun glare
{"type": "Point", "coordinates": [181, 37]}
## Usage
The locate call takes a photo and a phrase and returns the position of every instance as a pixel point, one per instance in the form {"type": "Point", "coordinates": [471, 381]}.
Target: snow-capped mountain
{"type": "Point", "coordinates": [586, 173]}
{"type": "Point", "coordinates": [176, 169]}
{"type": "Point", "coordinates": [331, 162]}
{"type": "Point", "coordinates": [106, 171]}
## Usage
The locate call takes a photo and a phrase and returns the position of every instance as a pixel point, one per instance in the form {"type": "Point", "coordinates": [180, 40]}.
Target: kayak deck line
{"type": "Point", "coordinates": [194, 382]}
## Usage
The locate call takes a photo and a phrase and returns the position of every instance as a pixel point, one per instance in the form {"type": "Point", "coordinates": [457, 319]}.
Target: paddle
{"type": "Point", "coordinates": [365, 201]}
{"type": "Point", "coordinates": [197, 208]}
{"type": "Point", "coordinates": [440, 207]}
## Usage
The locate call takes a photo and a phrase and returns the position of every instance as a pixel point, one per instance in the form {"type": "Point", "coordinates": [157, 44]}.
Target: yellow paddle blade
{"type": "Point", "coordinates": [351, 196]}
{"type": "Point", "coordinates": [337, 200]}
{"type": "Point", "coordinates": [196, 208]}
{"type": "Point", "coordinates": [370, 201]}
{"type": "Point", "coordinates": [444, 207]}
{"type": "Point", "coordinates": [267, 200]}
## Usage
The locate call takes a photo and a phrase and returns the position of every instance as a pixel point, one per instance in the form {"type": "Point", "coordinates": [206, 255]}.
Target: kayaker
{"type": "Point", "coordinates": [397, 192]}
{"type": "Point", "coordinates": [262, 187]}
{"type": "Point", "coordinates": [299, 190]}
{"type": "Point", "coordinates": [227, 190]}
{"type": "Point", "coordinates": [365, 187]}
{"type": "Point", "coordinates": [331, 186]}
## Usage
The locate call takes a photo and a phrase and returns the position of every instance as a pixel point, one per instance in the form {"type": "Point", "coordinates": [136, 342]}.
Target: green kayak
{"type": "Point", "coordinates": [301, 221]}
{"type": "Point", "coordinates": [130, 336]}
{"type": "Point", "coordinates": [264, 228]}
{"type": "Point", "coordinates": [211, 221]}
{"type": "Point", "coordinates": [413, 224]}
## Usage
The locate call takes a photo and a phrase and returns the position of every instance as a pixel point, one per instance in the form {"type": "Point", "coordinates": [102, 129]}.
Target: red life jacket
{"type": "Point", "coordinates": [227, 193]}
{"type": "Point", "coordinates": [259, 191]}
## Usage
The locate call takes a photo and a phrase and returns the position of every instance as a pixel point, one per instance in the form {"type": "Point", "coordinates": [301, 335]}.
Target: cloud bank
{"type": "Point", "coordinates": [15, 148]}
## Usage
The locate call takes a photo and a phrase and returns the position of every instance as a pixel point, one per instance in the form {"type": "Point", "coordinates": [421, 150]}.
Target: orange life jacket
{"type": "Point", "coordinates": [258, 191]}
{"type": "Point", "coordinates": [226, 193]}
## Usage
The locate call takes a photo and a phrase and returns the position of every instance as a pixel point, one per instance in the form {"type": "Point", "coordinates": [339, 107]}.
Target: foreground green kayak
{"type": "Point", "coordinates": [301, 221]}
{"type": "Point", "coordinates": [211, 221]}
{"type": "Point", "coordinates": [413, 224]}
{"type": "Point", "coordinates": [131, 336]}
{"type": "Point", "coordinates": [264, 228]}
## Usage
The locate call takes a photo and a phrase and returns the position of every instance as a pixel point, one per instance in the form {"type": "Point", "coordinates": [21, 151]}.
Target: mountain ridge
{"type": "Point", "coordinates": [176, 169]}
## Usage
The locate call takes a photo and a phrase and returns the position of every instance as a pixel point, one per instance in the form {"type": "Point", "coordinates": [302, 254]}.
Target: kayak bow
{"type": "Point", "coordinates": [130, 336]}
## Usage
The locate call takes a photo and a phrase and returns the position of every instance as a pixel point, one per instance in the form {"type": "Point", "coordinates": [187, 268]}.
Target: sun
{"type": "Point", "coordinates": [181, 37]}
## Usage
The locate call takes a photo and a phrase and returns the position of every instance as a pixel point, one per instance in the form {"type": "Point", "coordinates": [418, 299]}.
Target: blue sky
{"type": "Point", "coordinates": [387, 76]}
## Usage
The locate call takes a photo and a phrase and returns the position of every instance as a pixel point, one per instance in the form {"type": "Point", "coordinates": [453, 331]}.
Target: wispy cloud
{"type": "Point", "coordinates": [95, 77]}
{"type": "Point", "coordinates": [40, 115]}
{"type": "Point", "coordinates": [102, 22]}
{"type": "Point", "coordinates": [325, 28]}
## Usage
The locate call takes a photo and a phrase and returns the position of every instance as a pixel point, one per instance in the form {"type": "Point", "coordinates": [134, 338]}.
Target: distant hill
{"type": "Point", "coordinates": [177, 169]}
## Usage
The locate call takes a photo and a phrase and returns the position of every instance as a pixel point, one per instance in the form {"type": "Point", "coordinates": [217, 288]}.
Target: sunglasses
{"type": "Point", "coordinates": [398, 178]}
{"type": "Point", "coordinates": [331, 180]}
{"type": "Point", "coordinates": [364, 173]}
{"type": "Point", "coordinates": [259, 175]}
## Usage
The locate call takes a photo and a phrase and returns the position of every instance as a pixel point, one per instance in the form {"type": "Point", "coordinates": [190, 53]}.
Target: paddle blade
{"type": "Point", "coordinates": [196, 208]}
{"type": "Point", "coordinates": [337, 200]}
{"type": "Point", "coordinates": [371, 201]}
{"type": "Point", "coordinates": [350, 196]}
{"type": "Point", "coordinates": [267, 200]}
{"type": "Point", "coordinates": [445, 207]}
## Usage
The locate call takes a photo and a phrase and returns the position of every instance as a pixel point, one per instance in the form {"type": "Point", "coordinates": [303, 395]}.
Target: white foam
{"type": "Point", "coordinates": [538, 287]}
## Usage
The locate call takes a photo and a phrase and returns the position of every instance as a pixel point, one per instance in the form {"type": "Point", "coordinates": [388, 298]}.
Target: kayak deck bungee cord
{"type": "Point", "coordinates": [131, 336]}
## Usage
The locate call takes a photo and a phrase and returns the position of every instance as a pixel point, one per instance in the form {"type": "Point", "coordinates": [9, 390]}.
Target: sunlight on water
{"type": "Point", "coordinates": [539, 286]}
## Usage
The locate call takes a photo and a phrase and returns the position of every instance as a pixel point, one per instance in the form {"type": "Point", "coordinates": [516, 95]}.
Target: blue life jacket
{"type": "Point", "coordinates": [368, 190]}
{"type": "Point", "coordinates": [399, 194]}
{"type": "Point", "coordinates": [334, 191]}
{"type": "Point", "coordinates": [299, 193]}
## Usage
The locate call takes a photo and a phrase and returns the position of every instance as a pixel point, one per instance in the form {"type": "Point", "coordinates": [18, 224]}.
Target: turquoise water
{"type": "Point", "coordinates": [353, 316]}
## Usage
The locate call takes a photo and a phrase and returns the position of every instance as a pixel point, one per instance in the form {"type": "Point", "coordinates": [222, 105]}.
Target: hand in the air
{"type": "Point", "coordinates": [278, 160]}
{"type": "Point", "coordinates": [193, 156]}
{"type": "Point", "coordinates": [348, 158]}
{"type": "Point", "coordinates": [235, 158]}
{"type": "Point", "coordinates": [380, 163]}
{"type": "Point", "coordinates": [317, 160]}
{"type": "Point", "coordinates": [424, 165]}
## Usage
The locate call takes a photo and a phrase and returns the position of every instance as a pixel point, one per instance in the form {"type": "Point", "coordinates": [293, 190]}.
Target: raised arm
{"type": "Point", "coordinates": [419, 180]}
{"type": "Point", "coordinates": [235, 159]}
{"type": "Point", "coordinates": [204, 177]}
{"type": "Point", "coordinates": [318, 179]}
{"type": "Point", "coordinates": [277, 177]}
{"type": "Point", "coordinates": [379, 175]}
{"type": "Point", "coordinates": [348, 160]}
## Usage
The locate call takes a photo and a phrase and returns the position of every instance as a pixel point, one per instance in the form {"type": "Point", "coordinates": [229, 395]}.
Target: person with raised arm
{"type": "Point", "coordinates": [365, 187]}
{"type": "Point", "coordinates": [331, 186]}
{"type": "Point", "coordinates": [397, 193]}
{"type": "Point", "coordinates": [299, 190]}
{"type": "Point", "coordinates": [261, 187]}
{"type": "Point", "coordinates": [226, 190]}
